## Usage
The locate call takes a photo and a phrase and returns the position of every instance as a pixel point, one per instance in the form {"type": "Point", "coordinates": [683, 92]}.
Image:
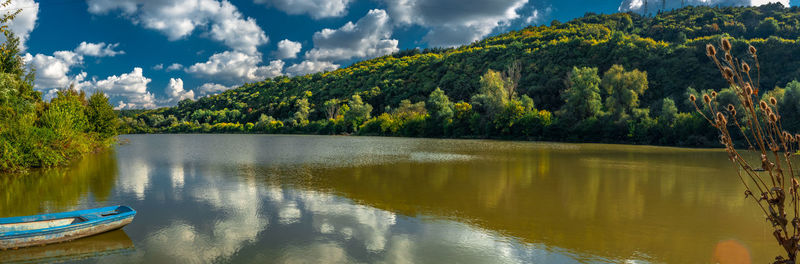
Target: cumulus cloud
{"type": "Point", "coordinates": [287, 49]}
{"type": "Point", "coordinates": [212, 88]}
{"type": "Point", "coordinates": [130, 88]}
{"type": "Point", "coordinates": [98, 49]}
{"type": "Point", "coordinates": [179, 18]}
{"type": "Point", "coordinates": [158, 67]}
{"type": "Point", "coordinates": [176, 92]}
{"type": "Point", "coordinates": [654, 6]}
{"type": "Point", "coordinates": [315, 8]}
{"type": "Point", "coordinates": [236, 67]}
{"type": "Point", "coordinates": [23, 24]}
{"type": "Point", "coordinates": [308, 67]}
{"type": "Point", "coordinates": [451, 26]}
{"type": "Point", "coordinates": [174, 67]}
{"type": "Point", "coordinates": [52, 71]}
{"type": "Point", "coordinates": [368, 37]}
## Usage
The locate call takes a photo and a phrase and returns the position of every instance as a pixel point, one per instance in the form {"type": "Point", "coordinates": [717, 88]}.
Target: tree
{"type": "Point", "coordinates": [358, 112]}
{"type": "Point", "coordinates": [332, 107]}
{"type": "Point", "coordinates": [102, 118]}
{"type": "Point", "coordinates": [303, 109]}
{"type": "Point", "coordinates": [768, 27]}
{"type": "Point", "coordinates": [493, 94]}
{"type": "Point", "coordinates": [439, 107]}
{"type": "Point", "coordinates": [582, 97]}
{"type": "Point", "coordinates": [668, 111]}
{"type": "Point", "coordinates": [623, 90]}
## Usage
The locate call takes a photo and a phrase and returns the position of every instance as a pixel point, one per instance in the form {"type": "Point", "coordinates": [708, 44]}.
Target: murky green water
{"type": "Point", "coordinates": [323, 199]}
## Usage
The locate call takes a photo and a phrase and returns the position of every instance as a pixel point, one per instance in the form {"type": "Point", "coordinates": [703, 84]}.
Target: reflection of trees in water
{"type": "Point", "coordinates": [58, 189]}
{"type": "Point", "coordinates": [673, 205]}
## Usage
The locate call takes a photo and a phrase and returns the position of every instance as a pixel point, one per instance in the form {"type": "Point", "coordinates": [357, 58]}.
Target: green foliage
{"type": "Point", "coordinates": [34, 133]}
{"type": "Point", "coordinates": [498, 83]}
{"type": "Point", "coordinates": [623, 90]}
{"type": "Point", "coordinates": [668, 112]}
{"type": "Point", "coordinates": [582, 98]}
{"type": "Point", "coordinates": [101, 117]}
{"type": "Point", "coordinates": [357, 112]}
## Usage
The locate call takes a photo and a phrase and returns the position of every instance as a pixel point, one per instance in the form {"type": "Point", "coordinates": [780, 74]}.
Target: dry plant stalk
{"type": "Point", "coordinates": [760, 127]}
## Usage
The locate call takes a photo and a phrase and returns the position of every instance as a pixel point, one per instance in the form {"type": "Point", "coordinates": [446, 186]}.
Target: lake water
{"type": "Point", "coordinates": [336, 199]}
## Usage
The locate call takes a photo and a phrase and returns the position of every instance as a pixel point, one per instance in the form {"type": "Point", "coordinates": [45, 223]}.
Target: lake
{"type": "Point", "coordinates": [339, 199]}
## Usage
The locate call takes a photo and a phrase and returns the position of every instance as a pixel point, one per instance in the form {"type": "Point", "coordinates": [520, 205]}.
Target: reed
{"type": "Point", "coordinates": [767, 175]}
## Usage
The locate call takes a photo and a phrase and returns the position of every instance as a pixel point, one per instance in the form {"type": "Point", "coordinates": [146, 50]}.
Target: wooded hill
{"type": "Point", "coordinates": [599, 78]}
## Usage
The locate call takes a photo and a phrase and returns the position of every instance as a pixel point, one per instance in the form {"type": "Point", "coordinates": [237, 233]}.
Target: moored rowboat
{"type": "Point", "coordinates": [25, 231]}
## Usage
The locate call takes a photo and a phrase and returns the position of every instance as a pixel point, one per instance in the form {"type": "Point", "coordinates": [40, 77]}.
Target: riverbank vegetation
{"type": "Point", "coordinates": [35, 133]}
{"type": "Point", "coordinates": [599, 78]}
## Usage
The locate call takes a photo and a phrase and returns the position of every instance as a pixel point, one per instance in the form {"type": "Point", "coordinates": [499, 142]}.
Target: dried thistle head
{"type": "Point", "coordinates": [692, 98]}
{"type": "Point", "coordinates": [745, 67]}
{"type": "Point", "coordinates": [752, 50]}
{"type": "Point", "coordinates": [706, 98]}
{"type": "Point", "coordinates": [748, 90]}
{"type": "Point", "coordinates": [728, 57]}
{"type": "Point", "coordinates": [773, 101]}
{"type": "Point", "coordinates": [731, 108]}
{"type": "Point", "coordinates": [726, 45]}
{"type": "Point", "coordinates": [721, 119]}
{"type": "Point", "coordinates": [763, 105]}
{"type": "Point", "coordinates": [773, 117]}
{"type": "Point", "coordinates": [713, 94]}
{"type": "Point", "coordinates": [727, 72]}
{"type": "Point", "coordinates": [797, 137]}
{"type": "Point", "coordinates": [710, 50]}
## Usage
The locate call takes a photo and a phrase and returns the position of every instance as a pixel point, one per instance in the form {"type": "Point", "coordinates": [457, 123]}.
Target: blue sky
{"type": "Point", "coordinates": [153, 53]}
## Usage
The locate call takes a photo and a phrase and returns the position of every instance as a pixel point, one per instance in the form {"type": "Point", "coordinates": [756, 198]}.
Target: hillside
{"type": "Point", "coordinates": [556, 82]}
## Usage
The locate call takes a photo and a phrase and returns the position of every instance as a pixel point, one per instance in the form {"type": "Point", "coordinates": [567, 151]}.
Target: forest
{"type": "Point", "coordinates": [618, 78]}
{"type": "Point", "coordinates": [35, 133]}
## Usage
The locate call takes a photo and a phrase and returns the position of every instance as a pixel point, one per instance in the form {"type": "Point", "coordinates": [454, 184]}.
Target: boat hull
{"type": "Point", "coordinates": [94, 221]}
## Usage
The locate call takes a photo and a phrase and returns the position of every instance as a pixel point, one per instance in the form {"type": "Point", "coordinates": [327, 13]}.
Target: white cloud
{"type": "Point", "coordinates": [315, 8]}
{"type": "Point", "coordinates": [235, 67]}
{"type": "Point", "coordinates": [275, 68]}
{"type": "Point", "coordinates": [450, 26]}
{"type": "Point", "coordinates": [308, 67]}
{"type": "Point", "coordinates": [176, 92]}
{"type": "Point", "coordinates": [287, 49]}
{"type": "Point", "coordinates": [51, 71]}
{"type": "Point", "coordinates": [179, 18]}
{"type": "Point", "coordinates": [158, 67]}
{"type": "Point", "coordinates": [130, 88]}
{"type": "Point", "coordinates": [174, 67]}
{"type": "Point", "coordinates": [23, 24]}
{"type": "Point", "coordinates": [369, 37]}
{"type": "Point", "coordinates": [212, 88]}
{"type": "Point", "coordinates": [98, 49]}
{"type": "Point", "coordinates": [537, 16]}
{"type": "Point", "coordinates": [654, 6]}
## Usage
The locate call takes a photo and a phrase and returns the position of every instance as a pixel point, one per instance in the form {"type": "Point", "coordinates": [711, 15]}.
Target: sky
{"type": "Point", "coordinates": [154, 53]}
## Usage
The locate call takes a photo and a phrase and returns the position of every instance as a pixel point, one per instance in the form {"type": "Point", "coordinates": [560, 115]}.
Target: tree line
{"type": "Point", "coordinates": [621, 78]}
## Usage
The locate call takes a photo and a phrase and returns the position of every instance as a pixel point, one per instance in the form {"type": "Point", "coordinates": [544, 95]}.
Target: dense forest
{"type": "Point", "coordinates": [600, 78]}
{"type": "Point", "coordinates": [34, 133]}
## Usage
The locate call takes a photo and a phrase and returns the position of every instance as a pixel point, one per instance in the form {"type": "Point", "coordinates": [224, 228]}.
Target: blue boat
{"type": "Point", "coordinates": [25, 231]}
